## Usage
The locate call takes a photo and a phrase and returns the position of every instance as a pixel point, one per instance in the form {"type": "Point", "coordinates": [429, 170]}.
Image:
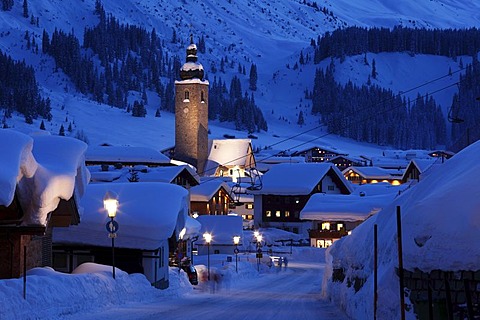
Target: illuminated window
{"type": "Point", "coordinates": [277, 214]}
{"type": "Point", "coordinates": [395, 183]}
{"type": "Point", "coordinates": [297, 200]}
{"type": "Point", "coordinates": [287, 214]}
{"type": "Point", "coordinates": [339, 226]}
{"type": "Point", "coordinates": [325, 225]}
{"type": "Point", "coordinates": [268, 213]}
{"type": "Point", "coordinates": [328, 243]}
{"type": "Point", "coordinates": [320, 244]}
{"type": "Point", "coordinates": [249, 206]}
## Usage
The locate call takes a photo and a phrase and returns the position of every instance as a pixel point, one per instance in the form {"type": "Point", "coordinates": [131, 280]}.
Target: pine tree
{"type": "Point", "coordinates": [42, 126]}
{"type": "Point", "coordinates": [157, 113]}
{"type": "Point", "coordinates": [61, 132]}
{"type": "Point", "coordinates": [374, 69]}
{"type": "Point", "coordinates": [25, 8]}
{"type": "Point", "coordinates": [253, 78]}
{"type": "Point", "coordinates": [70, 127]}
{"type": "Point", "coordinates": [301, 120]}
{"type": "Point", "coordinates": [133, 176]}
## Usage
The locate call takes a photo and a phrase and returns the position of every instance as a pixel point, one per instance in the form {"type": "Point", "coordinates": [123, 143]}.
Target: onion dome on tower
{"type": "Point", "coordinates": [191, 69]}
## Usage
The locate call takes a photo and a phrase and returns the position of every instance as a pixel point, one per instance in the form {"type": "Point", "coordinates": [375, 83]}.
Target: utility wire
{"type": "Point", "coordinates": [363, 120]}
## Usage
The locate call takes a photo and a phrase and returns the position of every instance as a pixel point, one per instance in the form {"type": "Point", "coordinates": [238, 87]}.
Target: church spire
{"type": "Point", "coordinates": [191, 69]}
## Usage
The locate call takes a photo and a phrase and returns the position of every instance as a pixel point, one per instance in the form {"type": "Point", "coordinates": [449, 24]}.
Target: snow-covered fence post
{"type": "Point", "coordinates": [400, 264]}
{"type": "Point", "coordinates": [375, 272]}
{"type": "Point", "coordinates": [25, 272]}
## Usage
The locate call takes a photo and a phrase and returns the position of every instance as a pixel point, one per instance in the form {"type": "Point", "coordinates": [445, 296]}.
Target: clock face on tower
{"type": "Point", "coordinates": [185, 110]}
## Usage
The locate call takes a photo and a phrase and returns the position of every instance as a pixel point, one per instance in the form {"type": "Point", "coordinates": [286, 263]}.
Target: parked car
{"type": "Point", "coordinates": [191, 273]}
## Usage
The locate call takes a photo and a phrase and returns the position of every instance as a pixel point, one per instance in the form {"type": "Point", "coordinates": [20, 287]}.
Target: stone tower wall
{"type": "Point", "coordinates": [191, 123]}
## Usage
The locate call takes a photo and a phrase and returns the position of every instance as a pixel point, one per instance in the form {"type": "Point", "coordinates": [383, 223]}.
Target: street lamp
{"type": "Point", "coordinates": [208, 238]}
{"type": "Point", "coordinates": [110, 203]}
{"type": "Point", "coordinates": [259, 249]}
{"type": "Point", "coordinates": [236, 240]}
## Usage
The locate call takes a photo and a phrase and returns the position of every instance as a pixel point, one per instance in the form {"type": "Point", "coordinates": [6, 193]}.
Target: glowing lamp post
{"type": "Point", "coordinates": [236, 240]}
{"type": "Point", "coordinates": [110, 203]}
{"type": "Point", "coordinates": [208, 238]}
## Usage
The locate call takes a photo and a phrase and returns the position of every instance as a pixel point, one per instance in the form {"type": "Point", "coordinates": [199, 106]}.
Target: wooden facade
{"type": "Point", "coordinates": [23, 247]}
{"type": "Point", "coordinates": [218, 204]}
{"type": "Point", "coordinates": [283, 211]}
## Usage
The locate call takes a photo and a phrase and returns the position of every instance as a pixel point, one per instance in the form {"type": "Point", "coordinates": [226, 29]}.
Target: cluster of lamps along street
{"type": "Point", "coordinates": [110, 204]}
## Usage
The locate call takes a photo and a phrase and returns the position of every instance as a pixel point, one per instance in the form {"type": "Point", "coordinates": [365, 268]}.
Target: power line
{"type": "Point", "coordinates": [363, 120]}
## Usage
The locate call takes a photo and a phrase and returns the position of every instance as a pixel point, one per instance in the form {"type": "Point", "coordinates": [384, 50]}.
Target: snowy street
{"type": "Point", "coordinates": [294, 293]}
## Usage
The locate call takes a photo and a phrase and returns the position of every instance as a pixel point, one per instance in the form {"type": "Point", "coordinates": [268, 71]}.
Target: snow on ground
{"type": "Point", "coordinates": [90, 290]}
{"type": "Point", "coordinates": [440, 224]}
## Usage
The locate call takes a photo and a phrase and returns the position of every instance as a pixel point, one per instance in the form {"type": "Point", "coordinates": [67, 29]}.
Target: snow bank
{"type": "Point", "coordinates": [440, 222]}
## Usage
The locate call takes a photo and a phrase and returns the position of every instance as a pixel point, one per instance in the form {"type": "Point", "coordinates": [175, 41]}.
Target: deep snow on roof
{"type": "Point", "coordinates": [148, 213]}
{"type": "Point", "coordinates": [125, 155]}
{"type": "Point", "coordinates": [296, 178]}
{"type": "Point", "coordinates": [42, 170]}
{"type": "Point", "coordinates": [339, 207]}
{"type": "Point", "coordinates": [371, 172]}
{"type": "Point", "coordinates": [227, 152]}
{"type": "Point", "coordinates": [440, 222]}
{"type": "Point", "coordinates": [206, 190]}
{"type": "Point", "coordinates": [16, 162]}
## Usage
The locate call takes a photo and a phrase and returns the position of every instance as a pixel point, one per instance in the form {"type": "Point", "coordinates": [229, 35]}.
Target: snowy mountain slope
{"type": "Point", "coordinates": [270, 34]}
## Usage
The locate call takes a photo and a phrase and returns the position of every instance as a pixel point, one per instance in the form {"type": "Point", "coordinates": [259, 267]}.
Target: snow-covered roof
{"type": "Point", "coordinates": [424, 164]}
{"type": "Point", "coordinates": [17, 162]}
{"type": "Point", "coordinates": [194, 80]}
{"type": "Point", "coordinates": [222, 228]}
{"type": "Point", "coordinates": [206, 190]}
{"type": "Point", "coordinates": [187, 66]}
{"type": "Point", "coordinates": [385, 162]}
{"type": "Point", "coordinates": [297, 178]}
{"type": "Point", "coordinates": [148, 212]}
{"type": "Point", "coordinates": [371, 172]}
{"type": "Point", "coordinates": [43, 169]}
{"type": "Point", "coordinates": [330, 149]}
{"type": "Point", "coordinates": [168, 174]}
{"type": "Point", "coordinates": [227, 152]}
{"type": "Point", "coordinates": [442, 206]}
{"type": "Point", "coordinates": [111, 154]}
{"type": "Point", "coordinates": [339, 207]}
{"type": "Point", "coordinates": [192, 228]}
{"type": "Point", "coordinates": [265, 162]}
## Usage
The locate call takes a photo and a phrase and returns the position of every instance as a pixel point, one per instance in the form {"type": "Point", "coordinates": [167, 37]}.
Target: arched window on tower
{"type": "Point", "coordinates": [202, 97]}
{"type": "Point", "coordinates": [187, 96]}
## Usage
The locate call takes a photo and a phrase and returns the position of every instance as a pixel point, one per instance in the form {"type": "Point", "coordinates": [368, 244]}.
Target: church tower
{"type": "Point", "coordinates": [191, 112]}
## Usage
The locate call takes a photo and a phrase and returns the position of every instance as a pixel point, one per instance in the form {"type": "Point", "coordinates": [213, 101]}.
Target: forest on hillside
{"type": "Point", "coordinates": [372, 114]}
{"type": "Point", "coordinates": [116, 60]}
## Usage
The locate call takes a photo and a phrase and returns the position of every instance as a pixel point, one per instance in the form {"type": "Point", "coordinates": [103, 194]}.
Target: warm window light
{"type": "Point", "coordinates": [110, 203]}
{"type": "Point", "coordinates": [236, 240]}
{"type": "Point", "coordinates": [208, 237]}
{"type": "Point", "coordinates": [326, 226]}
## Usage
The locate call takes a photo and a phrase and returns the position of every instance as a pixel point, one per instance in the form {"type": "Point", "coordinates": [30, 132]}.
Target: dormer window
{"type": "Point", "coordinates": [187, 97]}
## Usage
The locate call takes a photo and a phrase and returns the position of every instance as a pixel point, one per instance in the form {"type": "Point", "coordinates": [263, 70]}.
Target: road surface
{"type": "Point", "coordinates": [294, 293]}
